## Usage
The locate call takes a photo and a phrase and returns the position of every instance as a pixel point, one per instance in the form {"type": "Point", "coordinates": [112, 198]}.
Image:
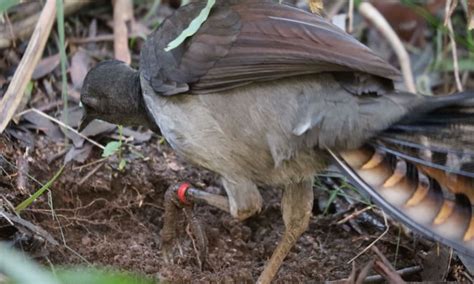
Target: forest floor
{"type": "Point", "coordinates": [97, 213]}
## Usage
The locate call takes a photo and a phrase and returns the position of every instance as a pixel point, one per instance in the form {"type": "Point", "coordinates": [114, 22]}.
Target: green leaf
{"type": "Point", "coordinates": [122, 164]}
{"type": "Point", "coordinates": [111, 148]}
{"type": "Point", "coordinates": [7, 4]}
{"type": "Point", "coordinates": [193, 26]}
{"type": "Point", "coordinates": [39, 192]}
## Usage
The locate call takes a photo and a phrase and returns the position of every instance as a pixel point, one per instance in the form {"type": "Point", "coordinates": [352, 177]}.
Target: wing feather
{"type": "Point", "coordinates": [252, 41]}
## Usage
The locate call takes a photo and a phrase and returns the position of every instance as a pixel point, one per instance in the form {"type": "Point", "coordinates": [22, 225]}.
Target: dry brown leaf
{"type": "Point", "coordinates": [316, 6]}
{"type": "Point", "coordinates": [79, 67]}
{"type": "Point", "coordinates": [45, 66]}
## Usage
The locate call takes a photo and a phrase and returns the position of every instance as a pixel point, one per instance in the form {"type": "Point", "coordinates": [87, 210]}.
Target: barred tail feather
{"type": "Point", "coordinates": [421, 171]}
{"type": "Point", "coordinates": [416, 199]}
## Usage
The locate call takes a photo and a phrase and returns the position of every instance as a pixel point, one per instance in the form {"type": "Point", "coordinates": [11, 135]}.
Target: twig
{"type": "Point", "coordinates": [402, 272]}
{"type": "Point", "coordinates": [80, 168]}
{"type": "Point", "coordinates": [8, 220]}
{"type": "Point", "coordinates": [15, 91]}
{"type": "Point", "coordinates": [385, 268]}
{"type": "Point", "coordinates": [30, 226]}
{"type": "Point", "coordinates": [375, 241]}
{"type": "Point", "coordinates": [449, 9]}
{"type": "Point", "coordinates": [123, 13]}
{"type": "Point", "coordinates": [354, 214]}
{"type": "Point", "coordinates": [372, 14]}
{"type": "Point", "coordinates": [60, 123]}
{"type": "Point", "coordinates": [98, 38]}
{"type": "Point", "coordinates": [23, 29]}
{"type": "Point", "coordinates": [89, 174]}
{"type": "Point", "coordinates": [23, 169]}
{"type": "Point", "coordinates": [350, 15]}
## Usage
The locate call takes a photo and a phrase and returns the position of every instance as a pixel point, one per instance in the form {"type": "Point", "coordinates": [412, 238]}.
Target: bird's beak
{"type": "Point", "coordinates": [86, 119]}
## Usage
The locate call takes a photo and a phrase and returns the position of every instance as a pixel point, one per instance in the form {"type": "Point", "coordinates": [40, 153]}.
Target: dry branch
{"type": "Point", "coordinates": [23, 29]}
{"type": "Point", "coordinates": [374, 16]}
{"type": "Point", "coordinates": [449, 9]}
{"type": "Point", "coordinates": [123, 14]}
{"type": "Point", "coordinates": [16, 89]}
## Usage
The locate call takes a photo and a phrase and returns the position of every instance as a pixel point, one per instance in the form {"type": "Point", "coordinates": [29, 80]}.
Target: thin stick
{"type": "Point", "coordinates": [89, 174]}
{"type": "Point", "coordinates": [23, 28]}
{"type": "Point", "coordinates": [373, 15]}
{"type": "Point", "coordinates": [402, 272]}
{"type": "Point", "coordinates": [8, 220]}
{"type": "Point", "coordinates": [350, 15]}
{"type": "Point", "coordinates": [375, 241]}
{"type": "Point", "coordinates": [353, 215]}
{"type": "Point", "coordinates": [60, 123]}
{"type": "Point", "coordinates": [449, 9]}
{"type": "Point", "coordinates": [122, 14]}
{"type": "Point", "coordinates": [16, 90]}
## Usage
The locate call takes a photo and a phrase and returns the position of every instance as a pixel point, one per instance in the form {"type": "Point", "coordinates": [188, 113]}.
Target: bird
{"type": "Point", "coordinates": [266, 94]}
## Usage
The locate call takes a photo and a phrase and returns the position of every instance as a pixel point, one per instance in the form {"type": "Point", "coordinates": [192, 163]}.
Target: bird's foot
{"type": "Point", "coordinates": [176, 200]}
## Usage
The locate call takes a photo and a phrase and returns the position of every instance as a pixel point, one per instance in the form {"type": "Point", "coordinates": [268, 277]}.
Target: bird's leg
{"type": "Point", "coordinates": [194, 195]}
{"type": "Point", "coordinates": [296, 205]}
{"type": "Point", "coordinates": [243, 201]}
{"type": "Point", "coordinates": [168, 231]}
{"type": "Point", "coordinates": [182, 196]}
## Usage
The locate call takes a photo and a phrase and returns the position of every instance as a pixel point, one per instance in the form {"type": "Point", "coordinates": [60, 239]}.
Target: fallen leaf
{"type": "Point", "coordinates": [45, 125]}
{"type": "Point", "coordinates": [79, 67]}
{"type": "Point", "coordinates": [45, 66]}
{"type": "Point", "coordinates": [78, 154]}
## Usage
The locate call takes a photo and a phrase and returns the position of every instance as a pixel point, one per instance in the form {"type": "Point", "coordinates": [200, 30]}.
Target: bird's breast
{"type": "Point", "coordinates": [246, 131]}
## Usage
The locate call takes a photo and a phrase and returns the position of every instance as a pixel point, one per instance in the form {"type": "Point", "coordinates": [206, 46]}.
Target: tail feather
{"type": "Point", "coordinates": [443, 139]}
{"type": "Point", "coordinates": [414, 197]}
{"type": "Point", "coordinates": [421, 170]}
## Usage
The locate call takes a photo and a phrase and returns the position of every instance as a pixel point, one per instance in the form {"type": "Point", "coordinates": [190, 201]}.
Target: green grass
{"type": "Point", "coordinates": [343, 189]}
{"type": "Point", "coordinates": [62, 52]}
{"type": "Point", "coordinates": [39, 192]}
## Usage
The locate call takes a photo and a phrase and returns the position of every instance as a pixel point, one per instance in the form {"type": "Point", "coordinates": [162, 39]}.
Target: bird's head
{"type": "Point", "coordinates": [112, 92]}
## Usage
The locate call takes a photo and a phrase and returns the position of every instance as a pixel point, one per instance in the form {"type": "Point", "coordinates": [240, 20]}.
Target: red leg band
{"type": "Point", "coordinates": [182, 193]}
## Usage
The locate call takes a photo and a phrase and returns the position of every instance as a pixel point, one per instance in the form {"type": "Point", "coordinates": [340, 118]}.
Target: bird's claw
{"type": "Point", "coordinates": [176, 201]}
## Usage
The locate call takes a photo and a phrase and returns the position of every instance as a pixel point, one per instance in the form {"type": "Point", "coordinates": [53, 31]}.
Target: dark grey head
{"type": "Point", "coordinates": [112, 92]}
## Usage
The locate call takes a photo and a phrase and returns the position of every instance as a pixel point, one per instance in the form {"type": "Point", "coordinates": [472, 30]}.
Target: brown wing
{"type": "Point", "coordinates": [251, 41]}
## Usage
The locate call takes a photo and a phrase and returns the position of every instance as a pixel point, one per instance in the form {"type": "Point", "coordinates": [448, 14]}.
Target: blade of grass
{"type": "Point", "coordinates": [152, 11]}
{"type": "Point", "coordinates": [39, 192]}
{"type": "Point", "coordinates": [62, 53]}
